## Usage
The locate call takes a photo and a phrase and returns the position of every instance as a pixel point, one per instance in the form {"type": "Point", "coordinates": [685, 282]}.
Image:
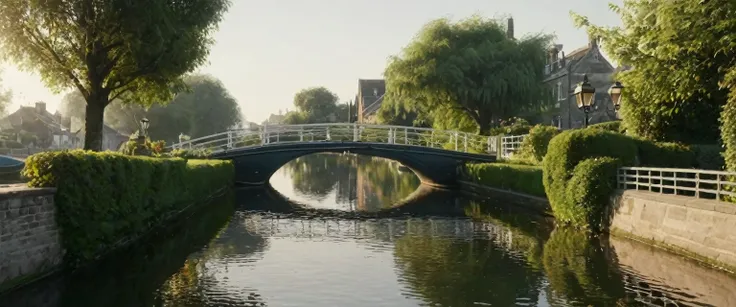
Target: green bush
{"type": "Point", "coordinates": [588, 191]}
{"type": "Point", "coordinates": [517, 178]}
{"type": "Point", "coordinates": [562, 175]}
{"type": "Point", "coordinates": [534, 147]}
{"type": "Point", "coordinates": [104, 200]}
{"type": "Point", "coordinates": [661, 154]}
{"type": "Point", "coordinates": [709, 157]}
{"type": "Point", "coordinates": [613, 126]}
{"type": "Point", "coordinates": [195, 153]}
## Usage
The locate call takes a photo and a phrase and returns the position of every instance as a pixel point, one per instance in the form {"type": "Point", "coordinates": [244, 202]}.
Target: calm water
{"type": "Point", "coordinates": [404, 247]}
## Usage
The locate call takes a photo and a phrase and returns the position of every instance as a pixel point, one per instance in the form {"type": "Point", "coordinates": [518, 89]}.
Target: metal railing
{"type": "Point", "coordinates": [511, 144]}
{"type": "Point", "coordinates": [697, 183]}
{"type": "Point", "coordinates": [271, 134]}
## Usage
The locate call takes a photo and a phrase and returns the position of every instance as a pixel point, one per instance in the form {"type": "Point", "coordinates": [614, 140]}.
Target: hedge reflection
{"type": "Point", "coordinates": [447, 271]}
{"type": "Point", "coordinates": [582, 269]}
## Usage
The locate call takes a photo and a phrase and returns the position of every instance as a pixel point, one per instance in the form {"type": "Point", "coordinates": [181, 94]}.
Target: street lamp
{"type": "Point", "coordinates": [144, 127]}
{"type": "Point", "coordinates": [615, 92]}
{"type": "Point", "coordinates": [584, 94]}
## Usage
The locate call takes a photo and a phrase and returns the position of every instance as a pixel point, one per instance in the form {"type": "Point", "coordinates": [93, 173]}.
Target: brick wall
{"type": "Point", "coordinates": [29, 238]}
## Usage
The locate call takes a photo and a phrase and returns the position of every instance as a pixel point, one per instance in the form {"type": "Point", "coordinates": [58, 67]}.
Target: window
{"type": "Point", "coordinates": [561, 92]}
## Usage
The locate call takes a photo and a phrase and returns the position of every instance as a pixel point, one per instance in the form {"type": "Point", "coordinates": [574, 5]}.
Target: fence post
{"type": "Point", "coordinates": [465, 141]}
{"type": "Point", "coordinates": [390, 135]}
{"type": "Point", "coordinates": [301, 134]}
{"type": "Point", "coordinates": [406, 136]}
{"type": "Point", "coordinates": [265, 137]}
{"type": "Point", "coordinates": [431, 139]}
{"type": "Point", "coordinates": [229, 139]}
{"type": "Point", "coordinates": [355, 132]}
{"type": "Point", "coordinates": [456, 136]}
{"type": "Point", "coordinates": [328, 133]}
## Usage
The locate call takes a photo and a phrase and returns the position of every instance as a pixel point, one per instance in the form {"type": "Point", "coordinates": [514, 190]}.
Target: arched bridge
{"type": "Point", "coordinates": [434, 155]}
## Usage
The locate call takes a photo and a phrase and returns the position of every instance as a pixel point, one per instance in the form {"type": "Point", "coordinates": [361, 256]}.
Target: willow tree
{"type": "Point", "coordinates": [108, 49]}
{"type": "Point", "coordinates": [472, 67]}
{"type": "Point", "coordinates": [681, 52]}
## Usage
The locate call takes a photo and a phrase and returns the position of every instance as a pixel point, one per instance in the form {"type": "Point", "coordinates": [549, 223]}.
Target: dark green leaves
{"type": "Point", "coordinates": [472, 68]}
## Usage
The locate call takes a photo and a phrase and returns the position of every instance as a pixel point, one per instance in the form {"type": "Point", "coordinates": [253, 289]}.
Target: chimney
{"type": "Point", "coordinates": [593, 41]}
{"type": "Point", "coordinates": [510, 28]}
{"type": "Point", "coordinates": [40, 107]}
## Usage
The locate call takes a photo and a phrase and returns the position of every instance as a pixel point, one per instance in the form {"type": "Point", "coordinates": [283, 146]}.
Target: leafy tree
{"type": "Point", "coordinates": [393, 112]}
{"type": "Point", "coordinates": [205, 109]}
{"type": "Point", "coordinates": [109, 49]}
{"type": "Point", "coordinates": [471, 67]}
{"type": "Point", "coordinates": [6, 97]}
{"type": "Point", "coordinates": [317, 103]}
{"type": "Point", "coordinates": [680, 52]}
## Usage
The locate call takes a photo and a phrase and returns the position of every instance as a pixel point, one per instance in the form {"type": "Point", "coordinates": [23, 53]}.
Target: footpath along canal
{"type": "Point", "coordinates": [326, 233]}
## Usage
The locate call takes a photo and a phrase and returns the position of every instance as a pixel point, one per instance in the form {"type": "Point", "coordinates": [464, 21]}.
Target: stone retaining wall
{"type": "Point", "coordinates": [699, 228]}
{"type": "Point", "coordinates": [30, 245]}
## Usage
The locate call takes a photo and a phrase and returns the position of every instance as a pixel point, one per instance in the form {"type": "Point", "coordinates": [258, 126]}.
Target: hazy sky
{"type": "Point", "coordinates": [268, 50]}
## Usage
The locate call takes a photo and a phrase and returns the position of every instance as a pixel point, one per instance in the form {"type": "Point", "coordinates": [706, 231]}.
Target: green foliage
{"type": "Point", "coordinates": [534, 147]}
{"type": "Point", "coordinates": [659, 154]}
{"type": "Point", "coordinates": [196, 153]}
{"type": "Point", "coordinates": [205, 109]}
{"type": "Point", "coordinates": [517, 178]}
{"type": "Point", "coordinates": [709, 157]}
{"type": "Point", "coordinates": [103, 200]}
{"type": "Point", "coordinates": [728, 124]}
{"type": "Point", "coordinates": [587, 193]}
{"type": "Point", "coordinates": [134, 50]}
{"type": "Point", "coordinates": [580, 169]}
{"type": "Point", "coordinates": [681, 52]}
{"type": "Point", "coordinates": [564, 153]}
{"type": "Point", "coordinates": [473, 67]}
{"type": "Point", "coordinates": [148, 148]}
{"type": "Point", "coordinates": [613, 126]}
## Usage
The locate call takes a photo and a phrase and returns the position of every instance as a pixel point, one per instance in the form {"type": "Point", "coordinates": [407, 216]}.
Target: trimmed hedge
{"type": "Point", "coordinates": [525, 179]}
{"type": "Point", "coordinates": [580, 170]}
{"type": "Point", "coordinates": [534, 147]}
{"type": "Point", "coordinates": [104, 200]}
{"type": "Point", "coordinates": [562, 176]}
{"type": "Point", "coordinates": [613, 126]}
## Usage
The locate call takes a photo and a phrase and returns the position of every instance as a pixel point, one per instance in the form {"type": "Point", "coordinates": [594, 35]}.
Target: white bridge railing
{"type": "Point", "coordinates": [271, 134]}
{"type": "Point", "coordinates": [707, 184]}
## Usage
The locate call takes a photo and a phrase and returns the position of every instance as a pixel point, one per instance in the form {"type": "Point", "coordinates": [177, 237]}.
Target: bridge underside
{"type": "Point", "coordinates": [433, 166]}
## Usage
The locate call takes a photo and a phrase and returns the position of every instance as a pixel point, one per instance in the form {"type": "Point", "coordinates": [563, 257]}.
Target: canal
{"type": "Point", "coordinates": [344, 230]}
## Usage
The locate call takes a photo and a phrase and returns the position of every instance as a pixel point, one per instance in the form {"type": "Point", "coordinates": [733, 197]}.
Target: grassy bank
{"type": "Point", "coordinates": [525, 179]}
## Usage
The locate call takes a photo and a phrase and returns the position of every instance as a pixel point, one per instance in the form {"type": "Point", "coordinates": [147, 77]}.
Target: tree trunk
{"type": "Point", "coordinates": [94, 118]}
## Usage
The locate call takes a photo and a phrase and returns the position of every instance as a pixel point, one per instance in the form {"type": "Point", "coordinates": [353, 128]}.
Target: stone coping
{"type": "Point", "coordinates": [8, 191]}
{"type": "Point", "coordinates": [680, 200]}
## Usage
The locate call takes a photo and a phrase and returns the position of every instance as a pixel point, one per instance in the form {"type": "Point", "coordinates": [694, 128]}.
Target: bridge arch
{"type": "Point", "coordinates": [435, 167]}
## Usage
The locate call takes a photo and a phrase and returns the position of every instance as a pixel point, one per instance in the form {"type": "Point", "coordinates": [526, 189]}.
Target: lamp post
{"type": "Point", "coordinates": [584, 94]}
{"type": "Point", "coordinates": [144, 127]}
{"type": "Point", "coordinates": [615, 92]}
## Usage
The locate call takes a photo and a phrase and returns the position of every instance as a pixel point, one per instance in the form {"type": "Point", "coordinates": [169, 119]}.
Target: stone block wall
{"type": "Point", "coordinates": [29, 237]}
{"type": "Point", "coordinates": [698, 228]}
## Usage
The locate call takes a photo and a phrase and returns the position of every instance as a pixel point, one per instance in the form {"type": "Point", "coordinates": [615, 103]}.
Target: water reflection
{"type": "Point", "coordinates": [436, 248]}
{"type": "Point", "coordinates": [345, 182]}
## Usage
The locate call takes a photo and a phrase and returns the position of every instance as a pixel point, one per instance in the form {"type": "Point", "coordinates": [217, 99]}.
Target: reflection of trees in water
{"type": "Point", "coordinates": [446, 271]}
{"type": "Point", "coordinates": [196, 284]}
{"type": "Point", "coordinates": [372, 182]}
{"type": "Point", "coordinates": [583, 269]}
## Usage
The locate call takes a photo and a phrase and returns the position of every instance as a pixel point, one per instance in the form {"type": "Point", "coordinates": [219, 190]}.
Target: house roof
{"type": "Point", "coordinates": [366, 86]}
{"type": "Point", "coordinates": [15, 119]}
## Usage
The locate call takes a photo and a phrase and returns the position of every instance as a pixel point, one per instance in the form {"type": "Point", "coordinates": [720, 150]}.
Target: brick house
{"type": "Point", "coordinates": [36, 127]}
{"type": "Point", "coordinates": [563, 73]}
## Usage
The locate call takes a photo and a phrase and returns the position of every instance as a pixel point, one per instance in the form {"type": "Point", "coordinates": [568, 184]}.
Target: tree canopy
{"type": "Point", "coordinates": [471, 68]}
{"type": "Point", "coordinates": [205, 109]}
{"type": "Point", "coordinates": [681, 52]}
{"type": "Point", "coordinates": [109, 49]}
{"type": "Point", "coordinates": [316, 105]}
{"type": "Point", "coordinates": [6, 97]}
